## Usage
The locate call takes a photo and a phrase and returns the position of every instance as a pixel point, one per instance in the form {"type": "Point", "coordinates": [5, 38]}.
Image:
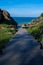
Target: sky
{"type": "Point", "coordinates": [22, 8]}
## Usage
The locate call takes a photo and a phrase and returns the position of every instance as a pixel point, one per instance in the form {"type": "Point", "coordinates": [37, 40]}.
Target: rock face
{"type": "Point", "coordinates": [37, 21]}
{"type": "Point", "coordinates": [6, 18]}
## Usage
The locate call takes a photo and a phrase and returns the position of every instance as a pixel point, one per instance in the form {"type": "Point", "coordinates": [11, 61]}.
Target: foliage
{"type": "Point", "coordinates": [36, 31]}
{"type": "Point", "coordinates": [42, 14]}
{"type": "Point", "coordinates": [5, 34]}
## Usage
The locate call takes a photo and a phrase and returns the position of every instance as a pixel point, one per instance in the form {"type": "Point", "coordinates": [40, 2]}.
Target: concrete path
{"type": "Point", "coordinates": [23, 49]}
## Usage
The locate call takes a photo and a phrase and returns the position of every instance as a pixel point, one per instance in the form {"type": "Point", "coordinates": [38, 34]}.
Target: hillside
{"type": "Point", "coordinates": [36, 29]}
{"type": "Point", "coordinates": [8, 28]}
{"type": "Point", "coordinates": [6, 18]}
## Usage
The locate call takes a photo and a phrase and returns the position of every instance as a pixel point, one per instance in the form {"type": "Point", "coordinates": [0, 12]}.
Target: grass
{"type": "Point", "coordinates": [36, 31]}
{"type": "Point", "coordinates": [6, 34]}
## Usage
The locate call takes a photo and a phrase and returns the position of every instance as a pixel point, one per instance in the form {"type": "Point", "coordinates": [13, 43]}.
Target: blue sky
{"type": "Point", "coordinates": [23, 8]}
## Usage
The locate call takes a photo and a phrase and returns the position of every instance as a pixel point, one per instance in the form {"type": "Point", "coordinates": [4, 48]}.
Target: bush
{"type": "Point", "coordinates": [36, 32]}
{"type": "Point", "coordinates": [4, 34]}
{"type": "Point", "coordinates": [42, 14]}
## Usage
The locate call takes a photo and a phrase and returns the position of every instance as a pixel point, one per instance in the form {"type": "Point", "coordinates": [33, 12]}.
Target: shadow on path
{"type": "Point", "coordinates": [23, 49]}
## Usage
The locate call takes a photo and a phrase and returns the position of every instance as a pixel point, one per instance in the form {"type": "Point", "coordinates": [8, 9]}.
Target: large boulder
{"type": "Point", "coordinates": [6, 18]}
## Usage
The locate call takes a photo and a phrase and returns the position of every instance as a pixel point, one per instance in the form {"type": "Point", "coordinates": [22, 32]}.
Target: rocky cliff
{"type": "Point", "coordinates": [39, 20]}
{"type": "Point", "coordinates": [6, 18]}
{"type": "Point", "coordinates": [36, 29]}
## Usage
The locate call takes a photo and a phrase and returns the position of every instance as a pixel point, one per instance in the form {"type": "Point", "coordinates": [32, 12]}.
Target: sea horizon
{"type": "Point", "coordinates": [24, 20]}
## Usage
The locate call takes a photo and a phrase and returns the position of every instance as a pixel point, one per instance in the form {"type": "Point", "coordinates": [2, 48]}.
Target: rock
{"type": "Point", "coordinates": [6, 14]}
{"type": "Point", "coordinates": [6, 18]}
{"type": "Point", "coordinates": [25, 26]}
{"type": "Point", "coordinates": [1, 16]}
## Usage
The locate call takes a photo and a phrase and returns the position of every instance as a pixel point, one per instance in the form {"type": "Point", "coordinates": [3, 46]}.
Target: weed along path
{"type": "Point", "coordinates": [23, 49]}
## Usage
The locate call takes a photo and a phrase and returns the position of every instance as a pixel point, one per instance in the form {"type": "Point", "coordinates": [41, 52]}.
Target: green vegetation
{"type": "Point", "coordinates": [8, 28]}
{"type": "Point", "coordinates": [6, 33]}
{"type": "Point", "coordinates": [42, 14]}
{"type": "Point", "coordinates": [36, 31]}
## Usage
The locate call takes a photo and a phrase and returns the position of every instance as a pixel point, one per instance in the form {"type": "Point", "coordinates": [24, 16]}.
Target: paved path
{"type": "Point", "coordinates": [23, 49]}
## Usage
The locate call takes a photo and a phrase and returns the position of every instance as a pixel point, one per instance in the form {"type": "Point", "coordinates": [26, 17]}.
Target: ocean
{"type": "Point", "coordinates": [24, 20]}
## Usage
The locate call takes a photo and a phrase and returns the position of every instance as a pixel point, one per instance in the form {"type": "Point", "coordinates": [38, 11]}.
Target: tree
{"type": "Point", "coordinates": [42, 14]}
